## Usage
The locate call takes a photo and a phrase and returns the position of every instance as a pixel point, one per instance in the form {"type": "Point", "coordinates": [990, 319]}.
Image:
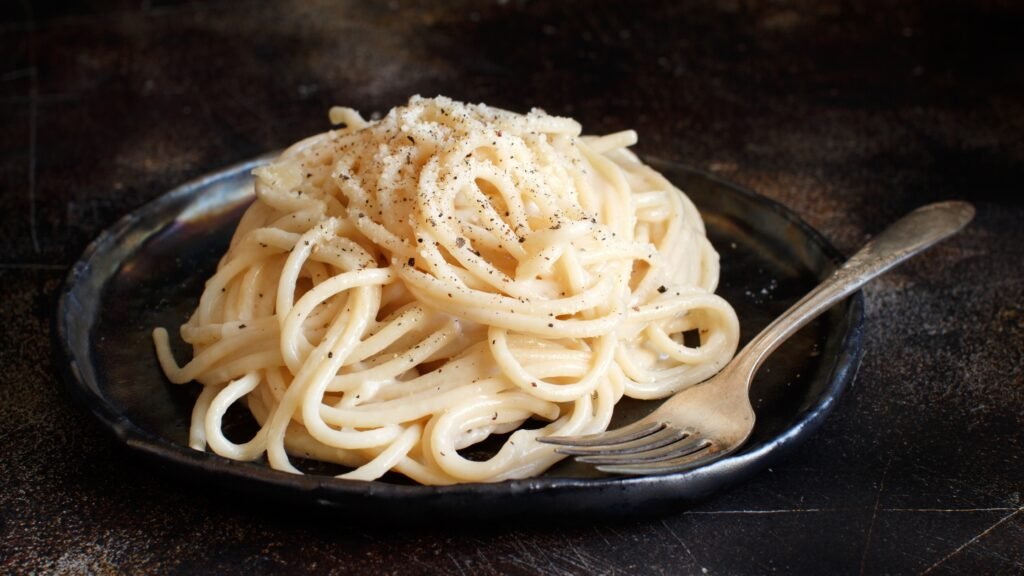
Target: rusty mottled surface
{"type": "Point", "coordinates": [849, 112]}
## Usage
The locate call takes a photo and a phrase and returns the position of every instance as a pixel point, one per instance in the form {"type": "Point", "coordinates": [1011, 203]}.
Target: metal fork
{"type": "Point", "coordinates": [714, 418]}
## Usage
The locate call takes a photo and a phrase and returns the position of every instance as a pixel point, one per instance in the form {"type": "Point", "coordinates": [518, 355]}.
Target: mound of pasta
{"type": "Point", "coordinates": [402, 289]}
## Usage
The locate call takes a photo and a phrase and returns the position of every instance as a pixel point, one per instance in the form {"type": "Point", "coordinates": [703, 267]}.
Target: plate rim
{"type": "Point", "coordinates": [331, 490]}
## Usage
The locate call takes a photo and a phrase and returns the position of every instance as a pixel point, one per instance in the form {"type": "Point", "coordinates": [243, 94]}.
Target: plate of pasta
{"type": "Point", "coordinates": [386, 316]}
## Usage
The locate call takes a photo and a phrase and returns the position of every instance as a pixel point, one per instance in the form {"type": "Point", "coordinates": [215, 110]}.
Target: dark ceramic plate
{"type": "Point", "coordinates": [148, 270]}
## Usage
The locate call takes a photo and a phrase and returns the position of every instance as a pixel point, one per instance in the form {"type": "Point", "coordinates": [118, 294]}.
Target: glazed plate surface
{"type": "Point", "coordinates": [148, 270]}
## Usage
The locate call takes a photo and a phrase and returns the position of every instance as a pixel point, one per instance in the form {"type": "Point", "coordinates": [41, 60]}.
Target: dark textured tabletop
{"type": "Point", "coordinates": [851, 113]}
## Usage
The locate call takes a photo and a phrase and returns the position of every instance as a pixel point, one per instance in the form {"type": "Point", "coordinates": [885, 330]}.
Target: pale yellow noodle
{"type": "Point", "coordinates": [405, 288]}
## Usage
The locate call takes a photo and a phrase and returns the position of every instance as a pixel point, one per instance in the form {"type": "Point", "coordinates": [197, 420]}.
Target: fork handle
{"type": "Point", "coordinates": [906, 237]}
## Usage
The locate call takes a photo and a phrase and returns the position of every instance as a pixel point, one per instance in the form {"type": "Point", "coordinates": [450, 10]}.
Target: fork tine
{"type": "Point", "coordinates": [692, 460]}
{"type": "Point", "coordinates": [666, 435]}
{"type": "Point", "coordinates": [683, 447]}
{"type": "Point", "coordinates": [626, 433]}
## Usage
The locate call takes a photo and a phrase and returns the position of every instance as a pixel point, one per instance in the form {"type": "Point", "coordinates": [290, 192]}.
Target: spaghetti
{"type": "Point", "coordinates": [405, 288]}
